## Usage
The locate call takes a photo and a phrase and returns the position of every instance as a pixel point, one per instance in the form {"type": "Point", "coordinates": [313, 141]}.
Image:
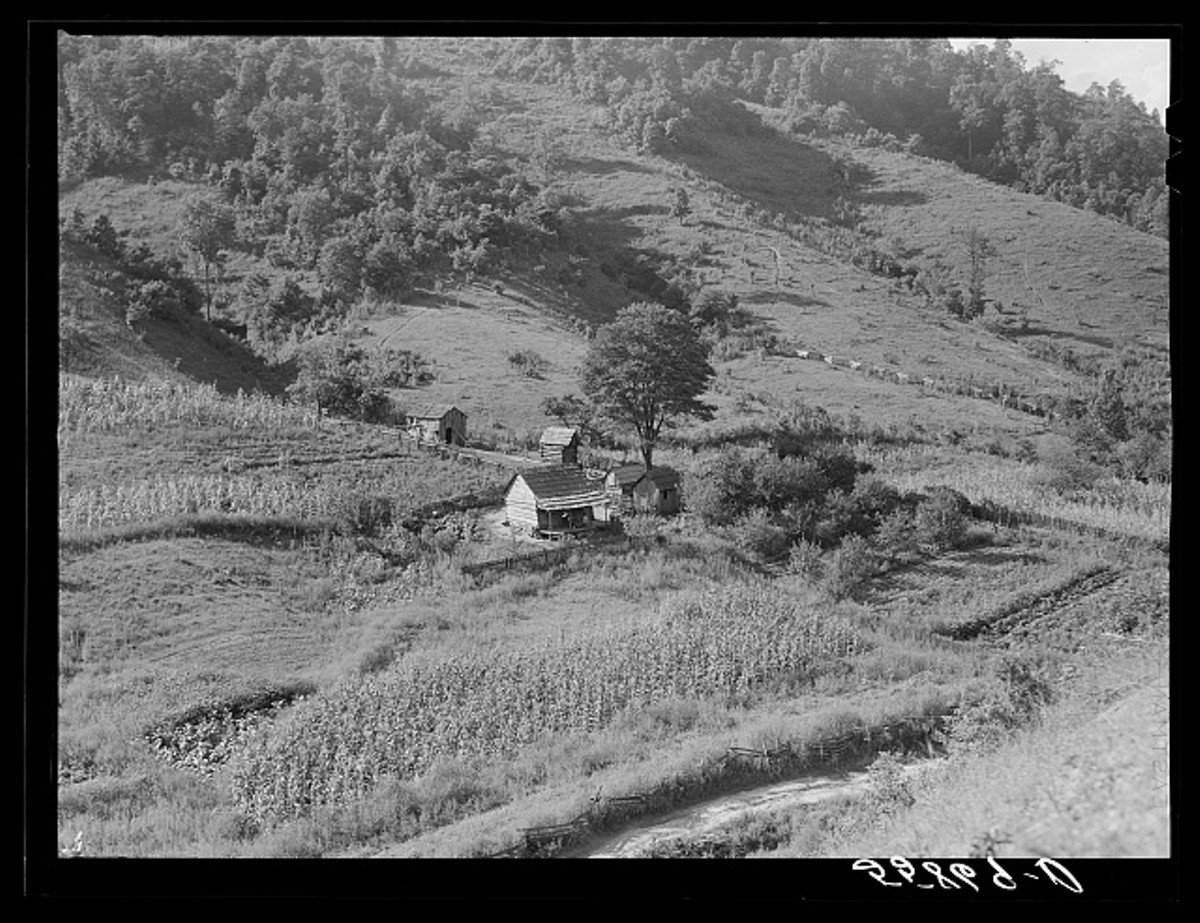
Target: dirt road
{"type": "Point", "coordinates": [636, 841]}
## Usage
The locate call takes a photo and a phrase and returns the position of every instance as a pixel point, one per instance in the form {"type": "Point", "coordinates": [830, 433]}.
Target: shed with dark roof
{"type": "Point", "coordinates": [443, 424]}
{"type": "Point", "coordinates": [555, 500]}
{"type": "Point", "coordinates": [657, 491]}
{"type": "Point", "coordinates": [634, 488]}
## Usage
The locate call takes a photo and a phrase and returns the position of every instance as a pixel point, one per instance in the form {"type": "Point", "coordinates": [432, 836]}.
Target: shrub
{"type": "Point", "coordinates": [941, 519]}
{"type": "Point", "coordinates": [643, 528]}
{"type": "Point", "coordinates": [873, 501]}
{"type": "Point", "coordinates": [838, 518]}
{"type": "Point", "coordinates": [718, 491]}
{"type": "Point", "coordinates": [896, 534]}
{"type": "Point", "coordinates": [1063, 471]}
{"type": "Point", "coordinates": [1017, 690]}
{"type": "Point", "coordinates": [850, 567]}
{"type": "Point", "coordinates": [760, 536]}
{"type": "Point", "coordinates": [528, 363]}
{"type": "Point", "coordinates": [805, 559]}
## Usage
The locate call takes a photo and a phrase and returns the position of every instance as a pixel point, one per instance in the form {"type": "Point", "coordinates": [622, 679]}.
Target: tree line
{"type": "Point", "coordinates": [982, 108]}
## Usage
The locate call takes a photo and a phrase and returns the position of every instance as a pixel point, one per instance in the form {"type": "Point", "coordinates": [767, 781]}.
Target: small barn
{"type": "Point", "coordinates": [633, 488]}
{"type": "Point", "coordinates": [438, 424]}
{"type": "Point", "coordinates": [554, 501]}
{"type": "Point", "coordinates": [560, 445]}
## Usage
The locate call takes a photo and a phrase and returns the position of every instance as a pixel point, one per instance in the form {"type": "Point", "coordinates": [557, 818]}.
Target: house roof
{"type": "Point", "coordinates": [662, 477]}
{"type": "Point", "coordinates": [560, 487]}
{"type": "Point", "coordinates": [627, 475]}
{"type": "Point", "coordinates": [559, 435]}
{"type": "Point", "coordinates": [432, 411]}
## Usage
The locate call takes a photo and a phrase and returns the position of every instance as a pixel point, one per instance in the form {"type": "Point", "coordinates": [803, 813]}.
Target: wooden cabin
{"type": "Point", "coordinates": [554, 501]}
{"type": "Point", "coordinates": [559, 445]}
{"type": "Point", "coordinates": [440, 424]}
{"type": "Point", "coordinates": [634, 489]}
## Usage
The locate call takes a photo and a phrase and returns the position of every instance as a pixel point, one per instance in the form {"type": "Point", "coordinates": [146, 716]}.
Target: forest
{"type": "Point", "coordinates": [317, 158]}
{"type": "Point", "coordinates": [272, 118]}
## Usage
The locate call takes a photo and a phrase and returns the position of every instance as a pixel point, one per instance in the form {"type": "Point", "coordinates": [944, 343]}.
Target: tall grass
{"type": "Point", "coordinates": [87, 405]}
{"type": "Point", "coordinates": [1142, 510]}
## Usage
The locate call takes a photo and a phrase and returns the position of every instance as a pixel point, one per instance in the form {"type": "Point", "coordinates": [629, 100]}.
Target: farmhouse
{"type": "Point", "coordinates": [633, 488]}
{"type": "Point", "coordinates": [560, 445]}
{"type": "Point", "coordinates": [554, 501]}
{"type": "Point", "coordinates": [438, 423]}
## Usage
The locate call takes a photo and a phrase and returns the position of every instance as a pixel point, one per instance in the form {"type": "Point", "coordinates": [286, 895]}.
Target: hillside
{"type": "Point", "coordinates": [95, 340]}
{"type": "Point", "coordinates": [287, 630]}
{"type": "Point", "coordinates": [763, 225]}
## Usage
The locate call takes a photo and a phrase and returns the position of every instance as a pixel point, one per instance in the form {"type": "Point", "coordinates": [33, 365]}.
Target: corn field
{"type": "Point", "coordinates": [103, 506]}
{"type": "Point", "coordinates": [339, 745]}
{"type": "Point", "coordinates": [88, 405]}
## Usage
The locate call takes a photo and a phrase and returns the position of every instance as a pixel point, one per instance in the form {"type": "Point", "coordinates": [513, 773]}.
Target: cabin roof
{"type": "Point", "coordinates": [560, 487]}
{"type": "Point", "coordinates": [661, 476]}
{"type": "Point", "coordinates": [432, 411]}
{"type": "Point", "coordinates": [559, 435]}
{"type": "Point", "coordinates": [627, 475]}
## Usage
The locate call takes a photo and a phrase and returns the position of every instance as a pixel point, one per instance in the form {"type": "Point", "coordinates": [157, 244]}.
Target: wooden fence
{"type": "Point", "coordinates": [606, 812]}
{"type": "Point", "coordinates": [1000, 393]}
{"type": "Point", "coordinates": [990, 511]}
{"type": "Point", "coordinates": [542, 557]}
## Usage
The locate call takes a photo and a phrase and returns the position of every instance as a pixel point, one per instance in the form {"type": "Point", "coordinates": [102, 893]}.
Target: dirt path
{"type": "Point", "coordinates": [711, 816]}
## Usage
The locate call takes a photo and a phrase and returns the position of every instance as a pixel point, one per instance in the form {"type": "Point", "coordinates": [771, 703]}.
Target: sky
{"type": "Point", "coordinates": [1142, 65]}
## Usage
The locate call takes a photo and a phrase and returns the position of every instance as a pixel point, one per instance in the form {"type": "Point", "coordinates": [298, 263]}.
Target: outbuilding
{"type": "Point", "coordinates": [441, 424]}
{"type": "Point", "coordinates": [554, 501]}
{"type": "Point", "coordinates": [559, 445]}
{"type": "Point", "coordinates": [633, 488]}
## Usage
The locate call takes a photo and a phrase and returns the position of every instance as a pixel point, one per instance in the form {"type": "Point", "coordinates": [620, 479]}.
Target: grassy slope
{"type": "Point", "coordinates": [94, 339]}
{"type": "Point", "coordinates": [1087, 281]}
{"type": "Point", "coordinates": [211, 613]}
{"type": "Point", "coordinates": [1090, 781]}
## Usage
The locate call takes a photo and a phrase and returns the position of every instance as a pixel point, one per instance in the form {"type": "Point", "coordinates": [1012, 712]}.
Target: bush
{"type": "Point", "coordinates": [1063, 471]}
{"type": "Point", "coordinates": [873, 500]}
{"type": "Point", "coordinates": [718, 492]}
{"type": "Point", "coordinates": [528, 363]}
{"type": "Point", "coordinates": [850, 567]}
{"type": "Point", "coordinates": [760, 536]}
{"type": "Point", "coordinates": [1017, 690]}
{"type": "Point", "coordinates": [896, 535]}
{"type": "Point", "coordinates": [805, 559]}
{"type": "Point", "coordinates": [941, 519]}
{"type": "Point", "coordinates": [643, 528]}
{"type": "Point", "coordinates": [361, 514]}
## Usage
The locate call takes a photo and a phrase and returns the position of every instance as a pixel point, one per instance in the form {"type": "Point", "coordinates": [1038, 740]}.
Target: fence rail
{"type": "Point", "coordinates": [990, 511]}
{"type": "Point", "coordinates": [1000, 393]}
{"type": "Point", "coordinates": [544, 556]}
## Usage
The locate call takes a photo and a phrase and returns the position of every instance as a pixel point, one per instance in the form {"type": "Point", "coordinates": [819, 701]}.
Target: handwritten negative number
{"type": "Point", "coordinates": [1054, 872]}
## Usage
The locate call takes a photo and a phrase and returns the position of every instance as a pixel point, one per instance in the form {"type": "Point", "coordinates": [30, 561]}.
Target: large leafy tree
{"type": "Point", "coordinates": [208, 229]}
{"type": "Point", "coordinates": [647, 367]}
